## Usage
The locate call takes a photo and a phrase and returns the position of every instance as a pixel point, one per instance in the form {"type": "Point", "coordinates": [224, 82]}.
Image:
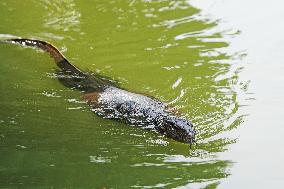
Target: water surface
{"type": "Point", "coordinates": [258, 153]}
{"type": "Point", "coordinates": [167, 49]}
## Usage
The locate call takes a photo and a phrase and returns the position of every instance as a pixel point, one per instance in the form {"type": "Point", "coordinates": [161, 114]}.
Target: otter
{"type": "Point", "coordinates": [111, 101]}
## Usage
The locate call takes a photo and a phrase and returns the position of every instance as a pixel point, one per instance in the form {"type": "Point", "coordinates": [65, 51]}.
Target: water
{"type": "Point", "coordinates": [258, 153]}
{"type": "Point", "coordinates": [205, 59]}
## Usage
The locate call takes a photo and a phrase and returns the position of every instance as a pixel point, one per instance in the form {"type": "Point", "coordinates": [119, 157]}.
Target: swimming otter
{"type": "Point", "coordinates": [111, 101]}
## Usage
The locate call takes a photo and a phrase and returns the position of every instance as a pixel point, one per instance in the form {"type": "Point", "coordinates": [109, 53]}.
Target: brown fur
{"type": "Point", "coordinates": [92, 98]}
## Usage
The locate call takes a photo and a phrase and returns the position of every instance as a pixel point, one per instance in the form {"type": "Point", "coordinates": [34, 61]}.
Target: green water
{"type": "Point", "coordinates": [168, 49]}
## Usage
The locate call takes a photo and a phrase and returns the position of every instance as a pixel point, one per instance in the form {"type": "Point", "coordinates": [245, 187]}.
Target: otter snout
{"type": "Point", "coordinates": [179, 129]}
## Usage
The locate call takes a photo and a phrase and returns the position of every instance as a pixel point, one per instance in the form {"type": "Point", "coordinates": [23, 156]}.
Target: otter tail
{"type": "Point", "coordinates": [59, 58]}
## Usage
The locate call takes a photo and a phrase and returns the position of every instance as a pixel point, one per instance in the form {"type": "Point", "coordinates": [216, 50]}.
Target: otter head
{"type": "Point", "coordinates": [178, 129]}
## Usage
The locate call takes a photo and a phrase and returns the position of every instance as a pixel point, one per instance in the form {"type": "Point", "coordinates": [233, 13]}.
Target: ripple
{"type": "Point", "coordinates": [50, 94]}
{"type": "Point", "coordinates": [62, 15]}
{"type": "Point", "coordinates": [99, 159]}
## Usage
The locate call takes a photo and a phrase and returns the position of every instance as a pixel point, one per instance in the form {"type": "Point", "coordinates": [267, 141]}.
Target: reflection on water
{"type": "Point", "coordinates": [61, 16]}
{"type": "Point", "coordinates": [182, 57]}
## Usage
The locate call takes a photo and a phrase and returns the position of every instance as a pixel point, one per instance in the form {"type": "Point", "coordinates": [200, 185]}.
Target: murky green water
{"type": "Point", "coordinates": [168, 49]}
